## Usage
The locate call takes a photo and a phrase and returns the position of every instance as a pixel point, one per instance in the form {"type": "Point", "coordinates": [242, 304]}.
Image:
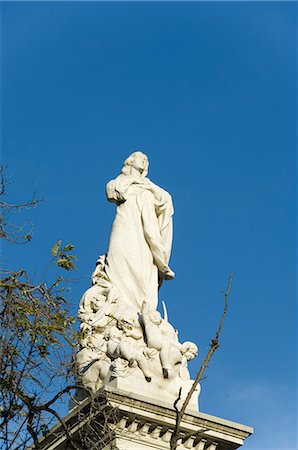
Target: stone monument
{"type": "Point", "coordinates": [126, 342]}
{"type": "Point", "coordinates": [130, 354]}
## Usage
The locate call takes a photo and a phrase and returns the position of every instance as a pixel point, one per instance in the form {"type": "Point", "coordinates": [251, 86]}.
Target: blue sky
{"type": "Point", "coordinates": [208, 91]}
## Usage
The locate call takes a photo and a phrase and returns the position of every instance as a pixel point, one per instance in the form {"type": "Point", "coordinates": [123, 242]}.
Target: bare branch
{"type": "Point", "coordinates": [213, 347]}
{"type": "Point", "coordinates": [17, 234]}
{"type": "Point", "coordinates": [31, 429]}
{"type": "Point", "coordinates": [65, 428]}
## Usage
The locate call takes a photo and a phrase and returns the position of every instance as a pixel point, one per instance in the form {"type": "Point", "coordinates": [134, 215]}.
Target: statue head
{"type": "Point", "coordinates": [155, 317]}
{"type": "Point", "coordinates": [98, 298]}
{"type": "Point", "coordinates": [189, 350]}
{"type": "Point", "coordinates": [138, 160]}
{"type": "Point", "coordinates": [125, 321]}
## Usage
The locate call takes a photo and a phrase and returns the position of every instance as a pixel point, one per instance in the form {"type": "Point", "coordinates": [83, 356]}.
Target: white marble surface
{"type": "Point", "coordinates": [141, 236]}
{"type": "Point", "coordinates": [125, 341]}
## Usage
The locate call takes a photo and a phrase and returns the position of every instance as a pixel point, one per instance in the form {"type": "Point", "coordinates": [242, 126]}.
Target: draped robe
{"type": "Point", "coordinates": [140, 240]}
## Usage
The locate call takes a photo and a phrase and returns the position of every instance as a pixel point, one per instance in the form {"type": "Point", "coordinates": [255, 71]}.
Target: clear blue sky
{"type": "Point", "coordinates": [208, 91]}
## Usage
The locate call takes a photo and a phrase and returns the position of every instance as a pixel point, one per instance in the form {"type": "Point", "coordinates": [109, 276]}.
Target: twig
{"type": "Point", "coordinates": [65, 427]}
{"type": "Point", "coordinates": [213, 347]}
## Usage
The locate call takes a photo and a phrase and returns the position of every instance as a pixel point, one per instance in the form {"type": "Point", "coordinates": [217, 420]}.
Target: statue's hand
{"type": "Point", "coordinates": [169, 274]}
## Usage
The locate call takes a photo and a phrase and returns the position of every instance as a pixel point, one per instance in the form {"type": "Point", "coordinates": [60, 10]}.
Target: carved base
{"type": "Point", "coordinates": [158, 389]}
{"type": "Point", "coordinates": [119, 420]}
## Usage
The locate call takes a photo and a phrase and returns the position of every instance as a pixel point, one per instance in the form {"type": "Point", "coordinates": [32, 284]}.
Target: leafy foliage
{"type": "Point", "coordinates": [35, 327]}
{"type": "Point", "coordinates": [62, 257]}
{"type": "Point", "coordinates": [36, 342]}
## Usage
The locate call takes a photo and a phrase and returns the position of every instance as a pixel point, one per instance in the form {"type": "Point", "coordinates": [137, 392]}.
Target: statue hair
{"type": "Point", "coordinates": [128, 162]}
{"type": "Point", "coordinates": [187, 345]}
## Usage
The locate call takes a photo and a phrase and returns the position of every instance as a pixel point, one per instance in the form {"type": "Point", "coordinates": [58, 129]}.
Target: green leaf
{"type": "Point", "coordinates": [68, 247]}
{"type": "Point", "coordinates": [65, 263]}
{"type": "Point", "coordinates": [72, 257]}
{"type": "Point", "coordinates": [56, 248]}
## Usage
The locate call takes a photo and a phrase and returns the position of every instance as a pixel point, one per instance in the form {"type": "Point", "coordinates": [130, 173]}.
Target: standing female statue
{"type": "Point", "coordinates": [141, 237]}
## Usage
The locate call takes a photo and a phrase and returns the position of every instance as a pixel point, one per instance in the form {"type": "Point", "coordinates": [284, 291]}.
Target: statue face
{"type": "Point", "coordinates": [155, 317]}
{"type": "Point", "coordinates": [189, 350]}
{"type": "Point", "coordinates": [98, 302]}
{"type": "Point", "coordinates": [139, 161]}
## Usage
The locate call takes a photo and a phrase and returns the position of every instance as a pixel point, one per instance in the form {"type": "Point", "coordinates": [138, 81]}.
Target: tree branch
{"type": "Point", "coordinates": [213, 347]}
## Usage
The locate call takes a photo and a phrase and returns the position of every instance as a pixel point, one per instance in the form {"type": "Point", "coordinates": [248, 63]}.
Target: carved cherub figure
{"type": "Point", "coordinates": [119, 346]}
{"type": "Point", "coordinates": [96, 308]}
{"type": "Point", "coordinates": [93, 368]}
{"type": "Point", "coordinates": [94, 295]}
{"type": "Point", "coordinates": [159, 335]}
{"type": "Point", "coordinates": [92, 361]}
{"type": "Point", "coordinates": [178, 356]}
{"type": "Point", "coordinates": [95, 312]}
{"type": "Point", "coordinates": [163, 337]}
{"type": "Point", "coordinates": [104, 312]}
{"type": "Point", "coordinates": [188, 351]}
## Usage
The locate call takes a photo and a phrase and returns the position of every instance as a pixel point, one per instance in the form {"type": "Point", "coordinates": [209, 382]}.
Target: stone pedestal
{"type": "Point", "coordinates": [120, 420]}
{"type": "Point", "coordinates": [158, 390]}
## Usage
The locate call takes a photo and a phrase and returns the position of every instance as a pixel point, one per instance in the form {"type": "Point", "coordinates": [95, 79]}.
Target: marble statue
{"type": "Point", "coordinates": [119, 346]}
{"type": "Point", "coordinates": [141, 236]}
{"type": "Point", "coordinates": [123, 336]}
{"type": "Point", "coordinates": [159, 335]}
